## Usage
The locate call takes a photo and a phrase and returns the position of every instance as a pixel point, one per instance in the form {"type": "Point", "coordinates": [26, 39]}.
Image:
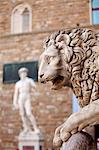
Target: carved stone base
{"type": "Point", "coordinates": [31, 141]}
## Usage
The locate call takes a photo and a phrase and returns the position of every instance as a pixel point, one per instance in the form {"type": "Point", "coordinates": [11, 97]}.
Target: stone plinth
{"type": "Point", "coordinates": [31, 141]}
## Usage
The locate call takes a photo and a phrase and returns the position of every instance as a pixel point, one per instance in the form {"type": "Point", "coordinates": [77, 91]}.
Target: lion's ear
{"type": "Point", "coordinates": [63, 38]}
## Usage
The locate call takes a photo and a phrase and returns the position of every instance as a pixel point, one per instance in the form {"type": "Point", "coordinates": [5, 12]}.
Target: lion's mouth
{"type": "Point", "coordinates": [58, 82]}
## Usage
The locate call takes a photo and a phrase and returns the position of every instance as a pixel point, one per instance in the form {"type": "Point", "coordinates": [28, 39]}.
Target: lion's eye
{"type": "Point", "coordinates": [47, 59]}
{"type": "Point", "coordinates": [52, 57]}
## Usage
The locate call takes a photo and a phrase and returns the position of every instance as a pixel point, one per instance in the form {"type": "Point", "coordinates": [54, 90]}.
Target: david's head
{"type": "Point", "coordinates": [23, 72]}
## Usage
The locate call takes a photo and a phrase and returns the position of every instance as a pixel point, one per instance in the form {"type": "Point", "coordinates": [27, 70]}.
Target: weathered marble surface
{"type": "Point", "coordinates": [70, 58]}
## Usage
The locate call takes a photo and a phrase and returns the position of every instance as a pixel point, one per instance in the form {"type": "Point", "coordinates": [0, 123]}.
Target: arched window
{"type": "Point", "coordinates": [95, 11]}
{"type": "Point", "coordinates": [21, 19]}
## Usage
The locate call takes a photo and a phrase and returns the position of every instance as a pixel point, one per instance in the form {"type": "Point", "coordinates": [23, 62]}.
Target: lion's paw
{"type": "Point", "coordinates": [57, 140]}
{"type": "Point", "coordinates": [65, 136]}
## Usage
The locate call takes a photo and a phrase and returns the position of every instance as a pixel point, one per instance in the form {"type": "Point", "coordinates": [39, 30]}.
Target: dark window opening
{"type": "Point", "coordinates": [10, 71]}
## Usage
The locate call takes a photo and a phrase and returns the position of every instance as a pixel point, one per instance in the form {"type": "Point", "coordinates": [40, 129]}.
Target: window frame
{"type": "Point", "coordinates": [91, 13]}
{"type": "Point", "coordinates": [21, 8]}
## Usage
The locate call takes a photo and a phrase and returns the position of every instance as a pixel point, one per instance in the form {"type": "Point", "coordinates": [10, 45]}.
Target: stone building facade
{"type": "Point", "coordinates": [50, 107]}
{"type": "Point", "coordinates": [47, 14]}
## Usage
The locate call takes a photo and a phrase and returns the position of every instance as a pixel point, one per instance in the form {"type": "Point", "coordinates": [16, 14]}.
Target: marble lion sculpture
{"type": "Point", "coordinates": [71, 59]}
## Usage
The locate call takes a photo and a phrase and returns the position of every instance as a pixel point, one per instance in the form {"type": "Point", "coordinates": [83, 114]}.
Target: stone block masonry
{"type": "Point", "coordinates": [47, 14]}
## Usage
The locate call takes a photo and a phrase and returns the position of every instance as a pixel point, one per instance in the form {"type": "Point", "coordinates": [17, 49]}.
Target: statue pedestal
{"type": "Point", "coordinates": [31, 141]}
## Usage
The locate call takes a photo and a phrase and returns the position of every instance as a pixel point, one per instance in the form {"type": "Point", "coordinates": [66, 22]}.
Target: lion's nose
{"type": "Point", "coordinates": [41, 75]}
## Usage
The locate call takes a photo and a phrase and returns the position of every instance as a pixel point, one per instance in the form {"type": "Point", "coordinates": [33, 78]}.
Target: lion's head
{"type": "Point", "coordinates": [64, 55]}
{"type": "Point", "coordinates": [52, 64]}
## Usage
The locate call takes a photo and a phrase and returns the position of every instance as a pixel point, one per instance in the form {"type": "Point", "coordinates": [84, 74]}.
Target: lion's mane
{"type": "Point", "coordinates": [78, 48]}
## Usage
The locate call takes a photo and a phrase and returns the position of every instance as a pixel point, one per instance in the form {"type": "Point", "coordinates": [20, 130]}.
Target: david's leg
{"type": "Point", "coordinates": [24, 118]}
{"type": "Point", "coordinates": [30, 115]}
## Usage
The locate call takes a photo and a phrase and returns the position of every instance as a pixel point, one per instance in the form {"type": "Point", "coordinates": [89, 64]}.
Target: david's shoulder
{"type": "Point", "coordinates": [30, 79]}
{"type": "Point", "coordinates": [17, 83]}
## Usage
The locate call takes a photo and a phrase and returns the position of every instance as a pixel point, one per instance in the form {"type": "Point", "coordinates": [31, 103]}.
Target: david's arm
{"type": "Point", "coordinates": [33, 84]}
{"type": "Point", "coordinates": [15, 97]}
